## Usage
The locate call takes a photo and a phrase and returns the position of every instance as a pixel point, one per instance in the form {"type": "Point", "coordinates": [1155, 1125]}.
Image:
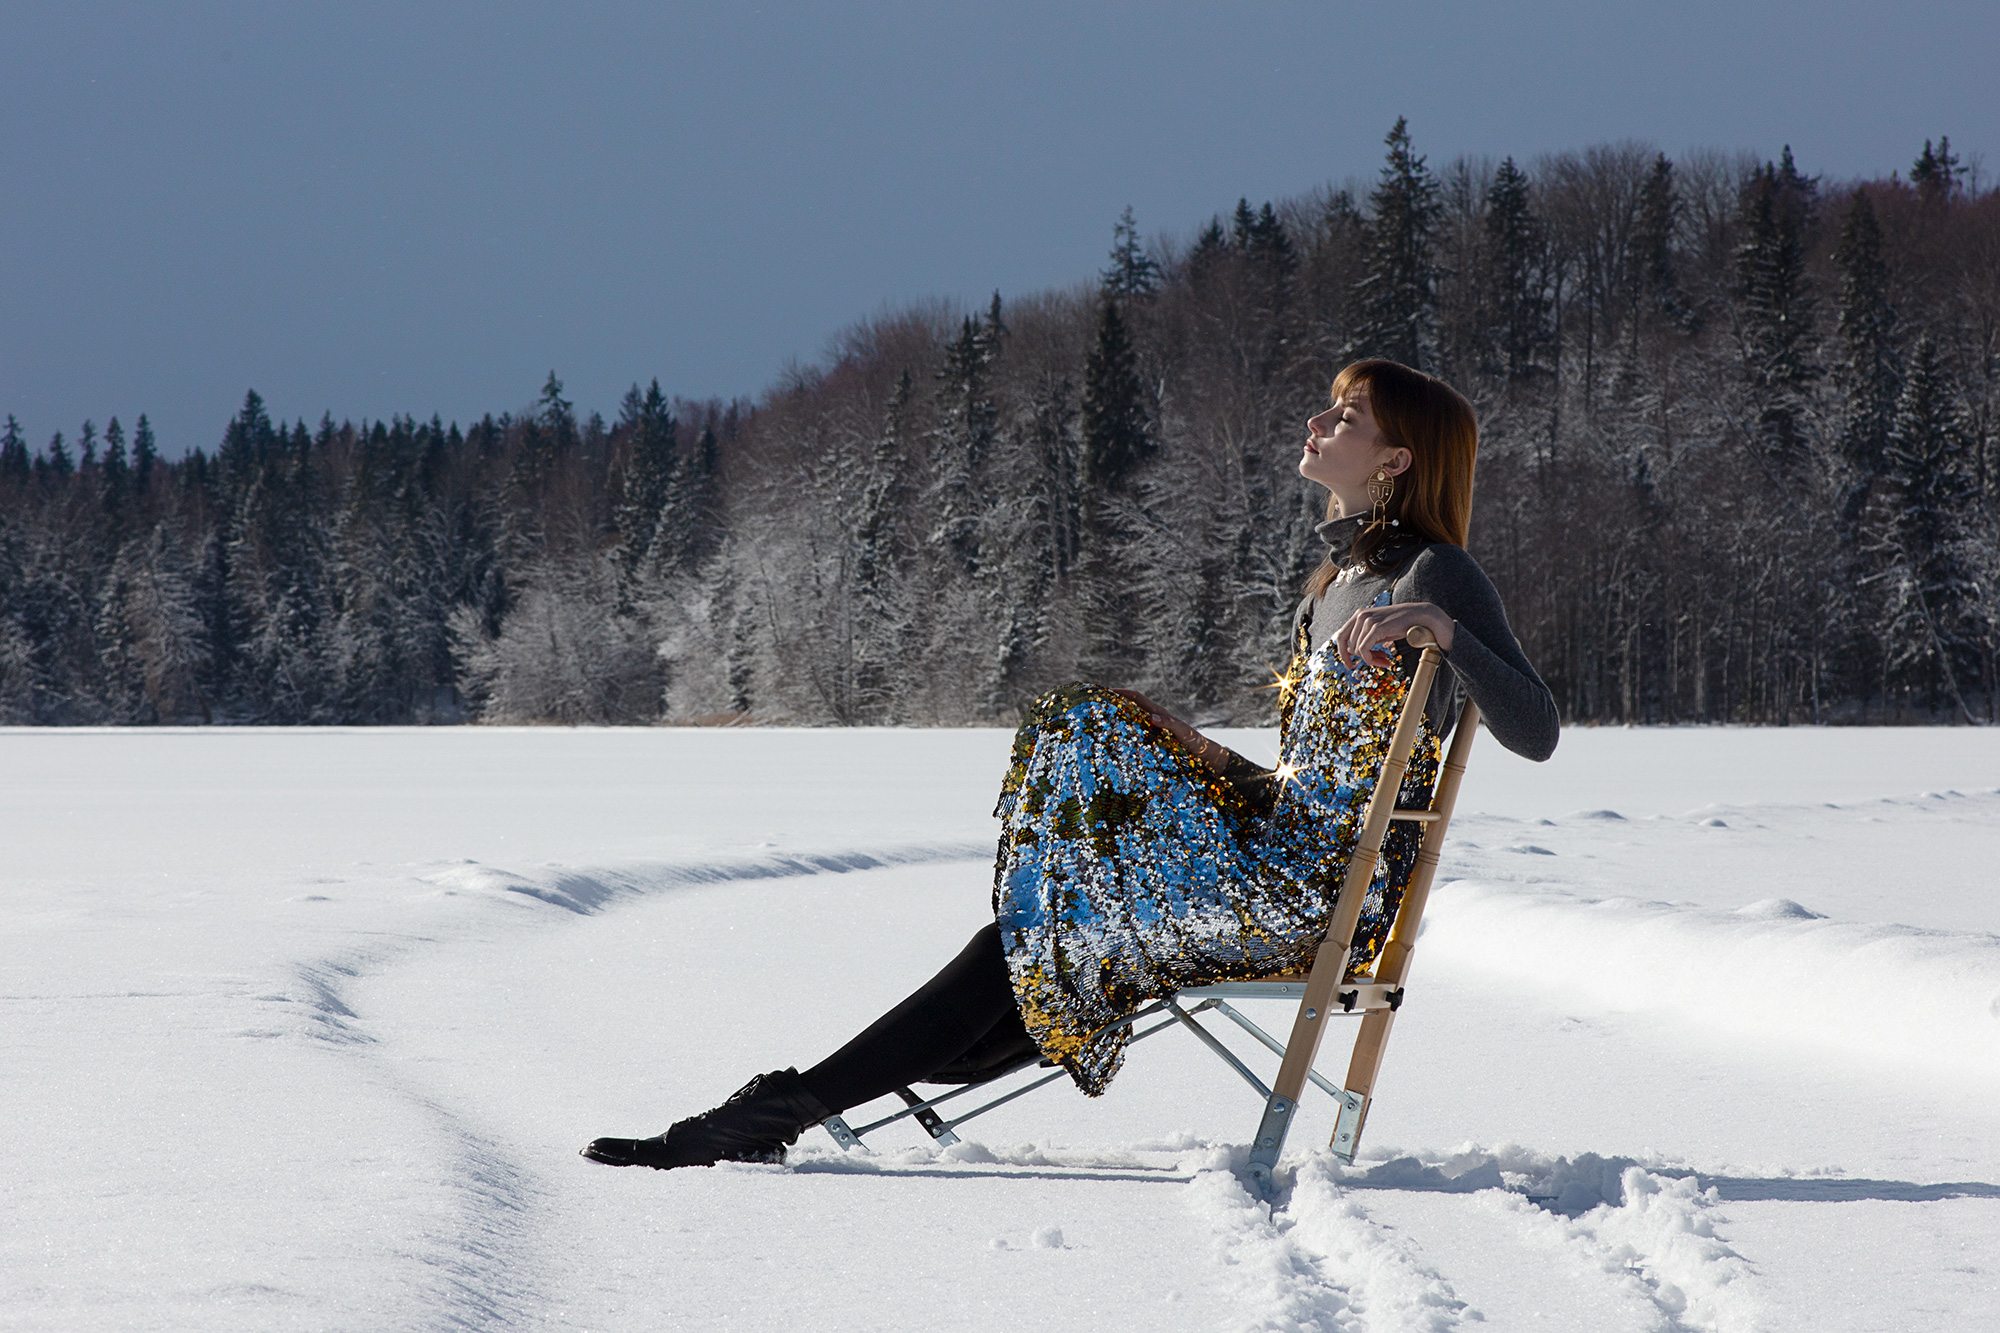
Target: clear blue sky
{"type": "Point", "coordinates": [374, 208]}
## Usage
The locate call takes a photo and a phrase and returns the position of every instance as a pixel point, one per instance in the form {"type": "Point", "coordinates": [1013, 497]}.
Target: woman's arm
{"type": "Point", "coordinates": [1369, 632]}
{"type": "Point", "coordinates": [1218, 757]}
{"type": "Point", "coordinates": [1446, 591]}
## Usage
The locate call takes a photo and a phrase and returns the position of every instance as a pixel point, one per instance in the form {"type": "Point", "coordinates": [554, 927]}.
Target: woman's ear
{"type": "Point", "coordinates": [1398, 462]}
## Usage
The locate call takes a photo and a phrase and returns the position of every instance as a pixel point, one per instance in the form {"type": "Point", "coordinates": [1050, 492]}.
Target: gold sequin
{"type": "Point", "coordinates": [1129, 870]}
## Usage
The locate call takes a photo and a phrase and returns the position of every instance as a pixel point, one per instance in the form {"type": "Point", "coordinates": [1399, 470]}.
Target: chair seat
{"type": "Point", "coordinates": [1368, 995]}
{"type": "Point", "coordinates": [1276, 987]}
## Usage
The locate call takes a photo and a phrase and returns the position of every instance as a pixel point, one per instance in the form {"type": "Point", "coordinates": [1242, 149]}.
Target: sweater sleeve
{"type": "Point", "coordinates": [1485, 657]}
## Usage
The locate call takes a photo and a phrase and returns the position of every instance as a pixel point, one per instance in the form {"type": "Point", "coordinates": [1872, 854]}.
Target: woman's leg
{"type": "Point", "coordinates": [934, 1026]}
{"type": "Point", "coordinates": [944, 1018]}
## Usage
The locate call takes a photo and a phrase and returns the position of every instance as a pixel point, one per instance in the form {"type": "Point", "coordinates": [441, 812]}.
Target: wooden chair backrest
{"type": "Point", "coordinates": [1330, 964]}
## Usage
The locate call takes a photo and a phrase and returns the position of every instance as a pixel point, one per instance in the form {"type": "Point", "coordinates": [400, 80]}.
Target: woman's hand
{"type": "Point", "coordinates": [1368, 630]}
{"type": "Point", "coordinates": [1196, 744]}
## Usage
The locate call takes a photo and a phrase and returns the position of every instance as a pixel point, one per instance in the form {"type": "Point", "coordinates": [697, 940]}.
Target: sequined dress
{"type": "Point", "coordinates": [1128, 869]}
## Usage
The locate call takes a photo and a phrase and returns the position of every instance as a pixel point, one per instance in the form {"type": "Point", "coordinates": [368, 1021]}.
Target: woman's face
{"type": "Point", "coordinates": [1343, 448]}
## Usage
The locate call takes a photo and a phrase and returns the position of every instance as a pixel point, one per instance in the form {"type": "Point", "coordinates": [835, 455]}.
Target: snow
{"type": "Point", "coordinates": [303, 1030]}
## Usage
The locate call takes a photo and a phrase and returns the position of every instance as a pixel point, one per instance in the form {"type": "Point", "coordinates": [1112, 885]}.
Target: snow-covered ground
{"type": "Point", "coordinates": [303, 1029]}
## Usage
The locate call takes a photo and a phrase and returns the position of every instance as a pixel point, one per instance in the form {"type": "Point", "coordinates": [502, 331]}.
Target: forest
{"type": "Point", "coordinates": [1739, 462]}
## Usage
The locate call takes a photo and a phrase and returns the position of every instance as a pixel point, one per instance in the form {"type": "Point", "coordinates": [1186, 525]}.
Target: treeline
{"type": "Point", "coordinates": [382, 573]}
{"type": "Point", "coordinates": [1738, 464]}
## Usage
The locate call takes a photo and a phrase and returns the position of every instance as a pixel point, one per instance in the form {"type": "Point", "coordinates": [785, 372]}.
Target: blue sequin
{"type": "Point", "coordinates": [1129, 870]}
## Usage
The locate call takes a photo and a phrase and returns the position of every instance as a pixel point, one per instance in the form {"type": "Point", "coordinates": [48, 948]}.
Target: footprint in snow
{"type": "Point", "coordinates": [1529, 849]}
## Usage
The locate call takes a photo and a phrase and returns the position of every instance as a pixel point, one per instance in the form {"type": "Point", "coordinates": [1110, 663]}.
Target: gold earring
{"type": "Point", "coordinates": [1381, 486]}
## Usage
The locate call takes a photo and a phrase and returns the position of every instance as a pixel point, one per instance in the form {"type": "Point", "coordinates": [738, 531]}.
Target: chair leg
{"type": "Point", "coordinates": [1279, 1113]}
{"type": "Point", "coordinates": [928, 1118]}
{"type": "Point", "coordinates": [1270, 1140]}
{"type": "Point", "coordinates": [1366, 1063]}
{"type": "Point", "coordinates": [1347, 1126]}
{"type": "Point", "coordinates": [1222, 1053]}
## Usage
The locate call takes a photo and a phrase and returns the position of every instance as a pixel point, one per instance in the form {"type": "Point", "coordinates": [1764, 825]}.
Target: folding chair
{"type": "Point", "coordinates": [1322, 993]}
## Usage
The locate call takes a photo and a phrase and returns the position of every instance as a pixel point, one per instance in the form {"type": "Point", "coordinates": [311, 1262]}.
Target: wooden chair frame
{"type": "Point", "coordinates": [1323, 992]}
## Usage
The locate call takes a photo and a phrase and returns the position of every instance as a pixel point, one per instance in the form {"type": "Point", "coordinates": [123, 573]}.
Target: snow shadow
{"type": "Point", "coordinates": [1573, 1187]}
{"type": "Point", "coordinates": [1740, 1189]}
{"type": "Point", "coordinates": [997, 1173]}
{"type": "Point", "coordinates": [587, 892]}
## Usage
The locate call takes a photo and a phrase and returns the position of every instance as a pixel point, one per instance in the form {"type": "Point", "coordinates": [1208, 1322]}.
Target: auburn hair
{"type": "Point", "coordinates": [1433, 496]}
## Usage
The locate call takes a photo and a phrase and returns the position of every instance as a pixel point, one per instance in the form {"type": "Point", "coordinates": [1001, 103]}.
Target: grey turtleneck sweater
{"type": "Point", "coordinates": [1485, 658]}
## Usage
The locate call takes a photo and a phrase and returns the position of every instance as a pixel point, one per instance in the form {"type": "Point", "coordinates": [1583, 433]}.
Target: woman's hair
{"type": "Point", "coordinates": [1433, 496]}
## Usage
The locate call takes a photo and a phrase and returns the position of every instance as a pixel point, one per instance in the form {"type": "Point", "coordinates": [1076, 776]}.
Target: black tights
{"type": "Point", "coordinates": [966, 1010]}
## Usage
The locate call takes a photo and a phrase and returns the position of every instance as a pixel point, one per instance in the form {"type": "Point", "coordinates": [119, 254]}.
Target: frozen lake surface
{"type": "Point", "coordinates": [303, 1029]}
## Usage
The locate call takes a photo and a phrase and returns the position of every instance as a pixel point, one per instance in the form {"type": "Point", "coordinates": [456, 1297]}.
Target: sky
{"type": "Point", "coordinates": [371, 209]}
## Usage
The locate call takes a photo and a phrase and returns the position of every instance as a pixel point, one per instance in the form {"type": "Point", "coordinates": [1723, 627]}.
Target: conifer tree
{"type": "Point", "coordinates": [967, 368]}
{"type": "Point", "coordinates": [557, 413]}
{"type": "Point", "coordinates": [117, 468]}
{"type": "Point", "coordinates": [1777, 303]}
{"type": "Point", "coordinates": [145, 453]}
{"type": "Point", "coordinates": [645, 515]}
{"type": "Point", "coordinates": [1655, 277]}
{"type": "Point", "coordinates": [1933, 598]}
{"type": "Point", "coordinates": [878, 553]}
{"type": "Point", "coordinates": [1115, 441]}
{"type": "Point", "coordinates": [701, 498]}
{"type": "Point", "coordinates": [1867, 379]}
{"type": "Point", "coordinates": [1210, 245]}
{"type": "Point", "coordinates": [1516, 250]}
{"type": "Point", "coordinates": [1936, 174]}
{"type": "Point", "coordinates": [15, 466]}
{"type": "Point", "coordinates": [1398, 291]}
{"type": "Point", "coordinates": [1273, 262]}
{"type": "Point", "coordinates": [1133, 273]}
{"type": "Point", "coordinates": [245, 444]}
{"type": "Point", "coordinates": [1270, 242]}
{"type": "Point", "coordinates": [964, 440]}
{"type": "Point", "coordinates": [1867, 329]}
{"type": "Point", "coordinates": [1114, 444]}
{"type": "Point", "coordinates": [278, 608]}
{"type": "Point", "coordinates": [736, 617]}
{"type": "Point", "coordinates": [877, 535]}
{"type": "Point", "coordinates": [151, 645]}
{"type": "Point", "coordinates": [1242, 224]}
{"type": "Point", "coordinates": [1053, 417]}
{"type": "Point", "coordinates": [548, 438]}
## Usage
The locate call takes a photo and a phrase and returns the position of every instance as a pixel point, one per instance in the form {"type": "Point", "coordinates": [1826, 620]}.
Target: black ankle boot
{"type": "Point", "coordinates": [756, 1124]}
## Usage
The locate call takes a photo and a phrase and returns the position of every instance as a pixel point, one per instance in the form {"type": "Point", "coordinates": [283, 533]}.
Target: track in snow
{"type": "Point", "coordinates": [1640, 1242]}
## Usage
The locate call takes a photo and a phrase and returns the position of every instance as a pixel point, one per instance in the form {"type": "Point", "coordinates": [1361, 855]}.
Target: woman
{"type": "Point", "coordinates": [1138, 857]}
